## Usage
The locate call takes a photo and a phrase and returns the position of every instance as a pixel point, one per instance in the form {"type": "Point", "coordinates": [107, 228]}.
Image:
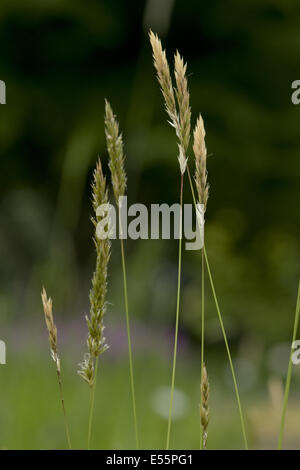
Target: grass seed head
{"type": "Point", "coordinates": [51, 327]}
{"type": "Point", "coordinates": [183, 99]}
{"type": "Point", "coordinates": [96, 341]}
{"type": "Point", "coordinates": [204, 412]}
{"type": "Point", "coordinates": [86, 369]}
{"type": "Point", "coordinates": [180, 118]}
{"type": "Point", "coordinates": [200, 153]}
{"type": "Point", "coordinates": [115, 150]}
{"type": "Point", "coordinates": [164, 78]}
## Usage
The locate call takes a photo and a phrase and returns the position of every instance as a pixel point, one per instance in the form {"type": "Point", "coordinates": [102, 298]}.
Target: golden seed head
{"type": "Point", "coordinates": [200, 153]}
{"type": "Point", "coordinates": [204, 412]}
{"type": "Point", "coordinates": [114, 142]}
{"type": "Point", "coordinates": [179, 119]}
{"type": "Point", "coordinates": [183, 99]}
{"type": "Point", "coordinates": [99, 191]}
{"type": "Point", "coordinates": [52, 330]}
{"type": "Point", "coordinates": [164, 77]}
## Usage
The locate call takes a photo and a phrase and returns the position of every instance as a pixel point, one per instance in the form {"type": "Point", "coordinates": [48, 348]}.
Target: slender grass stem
{"type": "Point", "coordinates": [92, 404]}
{"type": "Point", "coordinates": [129, 345]}
{"type": "Point", "coordinates": [289, 374]}
{"type": "Point", "coordinates": [177, 318]}
{"type": "Point", "coordinates": [191, 185]}
{"type": "Point", "coordinates": [63, 407]}
{"type": "Point", "coordinates": [222, 326]}
{"type": "Point", "coordinates": [202, 340]}
{"type": "Point", "coordinates": [202, 310]}
{"type": "Point", "coordinates": [227, 349]}
{"type": "Point", "coordinates": [52, 332]}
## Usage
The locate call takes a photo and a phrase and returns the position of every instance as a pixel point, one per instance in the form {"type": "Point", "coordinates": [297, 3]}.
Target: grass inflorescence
{"type": "Point", "coordinates": [179, 112]}
{"type": "Point", "coordinates": [52, 332]}
{"type": "Point", "coordinates": [114, 142]}
{"type": "Point", "coordinates": [176, 96]}
{"type": "Point", "coordinates": [180, 120]}
{"type": "Point", "coordinates": [96, 341]}
{"type": "Point", "coordinates": [204, 407]}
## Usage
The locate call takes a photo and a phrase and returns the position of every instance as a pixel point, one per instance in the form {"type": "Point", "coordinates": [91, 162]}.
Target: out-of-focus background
{"type": "Point", "coordinates": [60, 59]}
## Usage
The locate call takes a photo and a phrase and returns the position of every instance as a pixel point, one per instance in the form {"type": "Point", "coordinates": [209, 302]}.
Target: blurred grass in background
{"type": "Point", "coordinates": [59, 60]}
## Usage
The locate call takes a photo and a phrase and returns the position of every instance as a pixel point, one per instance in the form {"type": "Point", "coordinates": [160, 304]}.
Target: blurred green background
{"type": "Point", "coordinates": [60, 59]}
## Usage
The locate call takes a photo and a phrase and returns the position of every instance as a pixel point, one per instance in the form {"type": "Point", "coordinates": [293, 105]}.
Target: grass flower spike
{"type": "Point", "coordinates": [51, 327]}
{"type": "Point", "coordinates": [115, 150]}
{"type": "Point", "coordinates": [200, 177]}
{"type": "Point", "coordinates": [178, 108]}
{"type": "Point", "coordinates": [183, 99]}
{"type": "Point", "coordinates": [204, 410]}
{"type": "Point", "coordinates": [96, 341]}
{"type": "Point", "coordinates": [164, 78]}
{"type": "Point", "coordinates": [180, 113]}
{"type": "Point", "coordinates": [200, 153]}
{"type": "Point", "coordinates": [52, 331]}
{"type": "Point", "coordinates": [180, 118]}
{"type": "Point", "coordinates": [114, 142]}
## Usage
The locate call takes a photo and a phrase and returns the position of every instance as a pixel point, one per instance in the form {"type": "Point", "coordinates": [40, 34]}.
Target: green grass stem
{"type": "Point", "coordinates": [129, 345]}
{"type": "Point", "coordinates": [177, 319]}
{"type": "Point", "coordinates": [222, 328]}
{"type": "Point", "coordinates": [289, 374]}
{"type": "Point", "coordinates": [92, 404]}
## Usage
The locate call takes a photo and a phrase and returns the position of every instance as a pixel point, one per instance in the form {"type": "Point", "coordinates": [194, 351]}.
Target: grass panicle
{"type": "Point", "coordinates": [177, 103]}
{"type": "Point", "coordinates": [183, 100]}
{"type": "Point", "coordinates": [178, 109]}
{"type": "Point", "coordinates": [200, 152]}
{"type": "Point", "coordinates": [115, 150]}
{"type": "Point", "coordinates": [204, 407]}
{"type": "Point", "coordinates": [52, 332]}
{"type": "Point", "coordinates": [114, 142]}
{"type": "Point", "coordinates": [96, 341]}
{"type": "Point", "coordinates": [51, 327]}
{"type": "Point", "coordinates": [180, 120]}
{"type": "Point", "coordinates": [164, 78]}
{"type": "Point", "coordinates": [200, 178]}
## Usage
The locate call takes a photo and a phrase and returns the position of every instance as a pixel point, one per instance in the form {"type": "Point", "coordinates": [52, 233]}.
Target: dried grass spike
{"type": "Point", "coordinates": [183, 99]}
{"type": "Point", "coordinates": [116, 153]}
{"type": "Point", "coordinates": [118, 176]}
{"type": "Point", "coordinates": [204, 412]}
{"type": "Point", "coordinates": [164, 78]}
{"type": "Point", "coordinates": [52, 330]}
{"type": "Point", "coordinates": [200, 153]}
{"type": "Point", "coordinates": [180, 118]}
